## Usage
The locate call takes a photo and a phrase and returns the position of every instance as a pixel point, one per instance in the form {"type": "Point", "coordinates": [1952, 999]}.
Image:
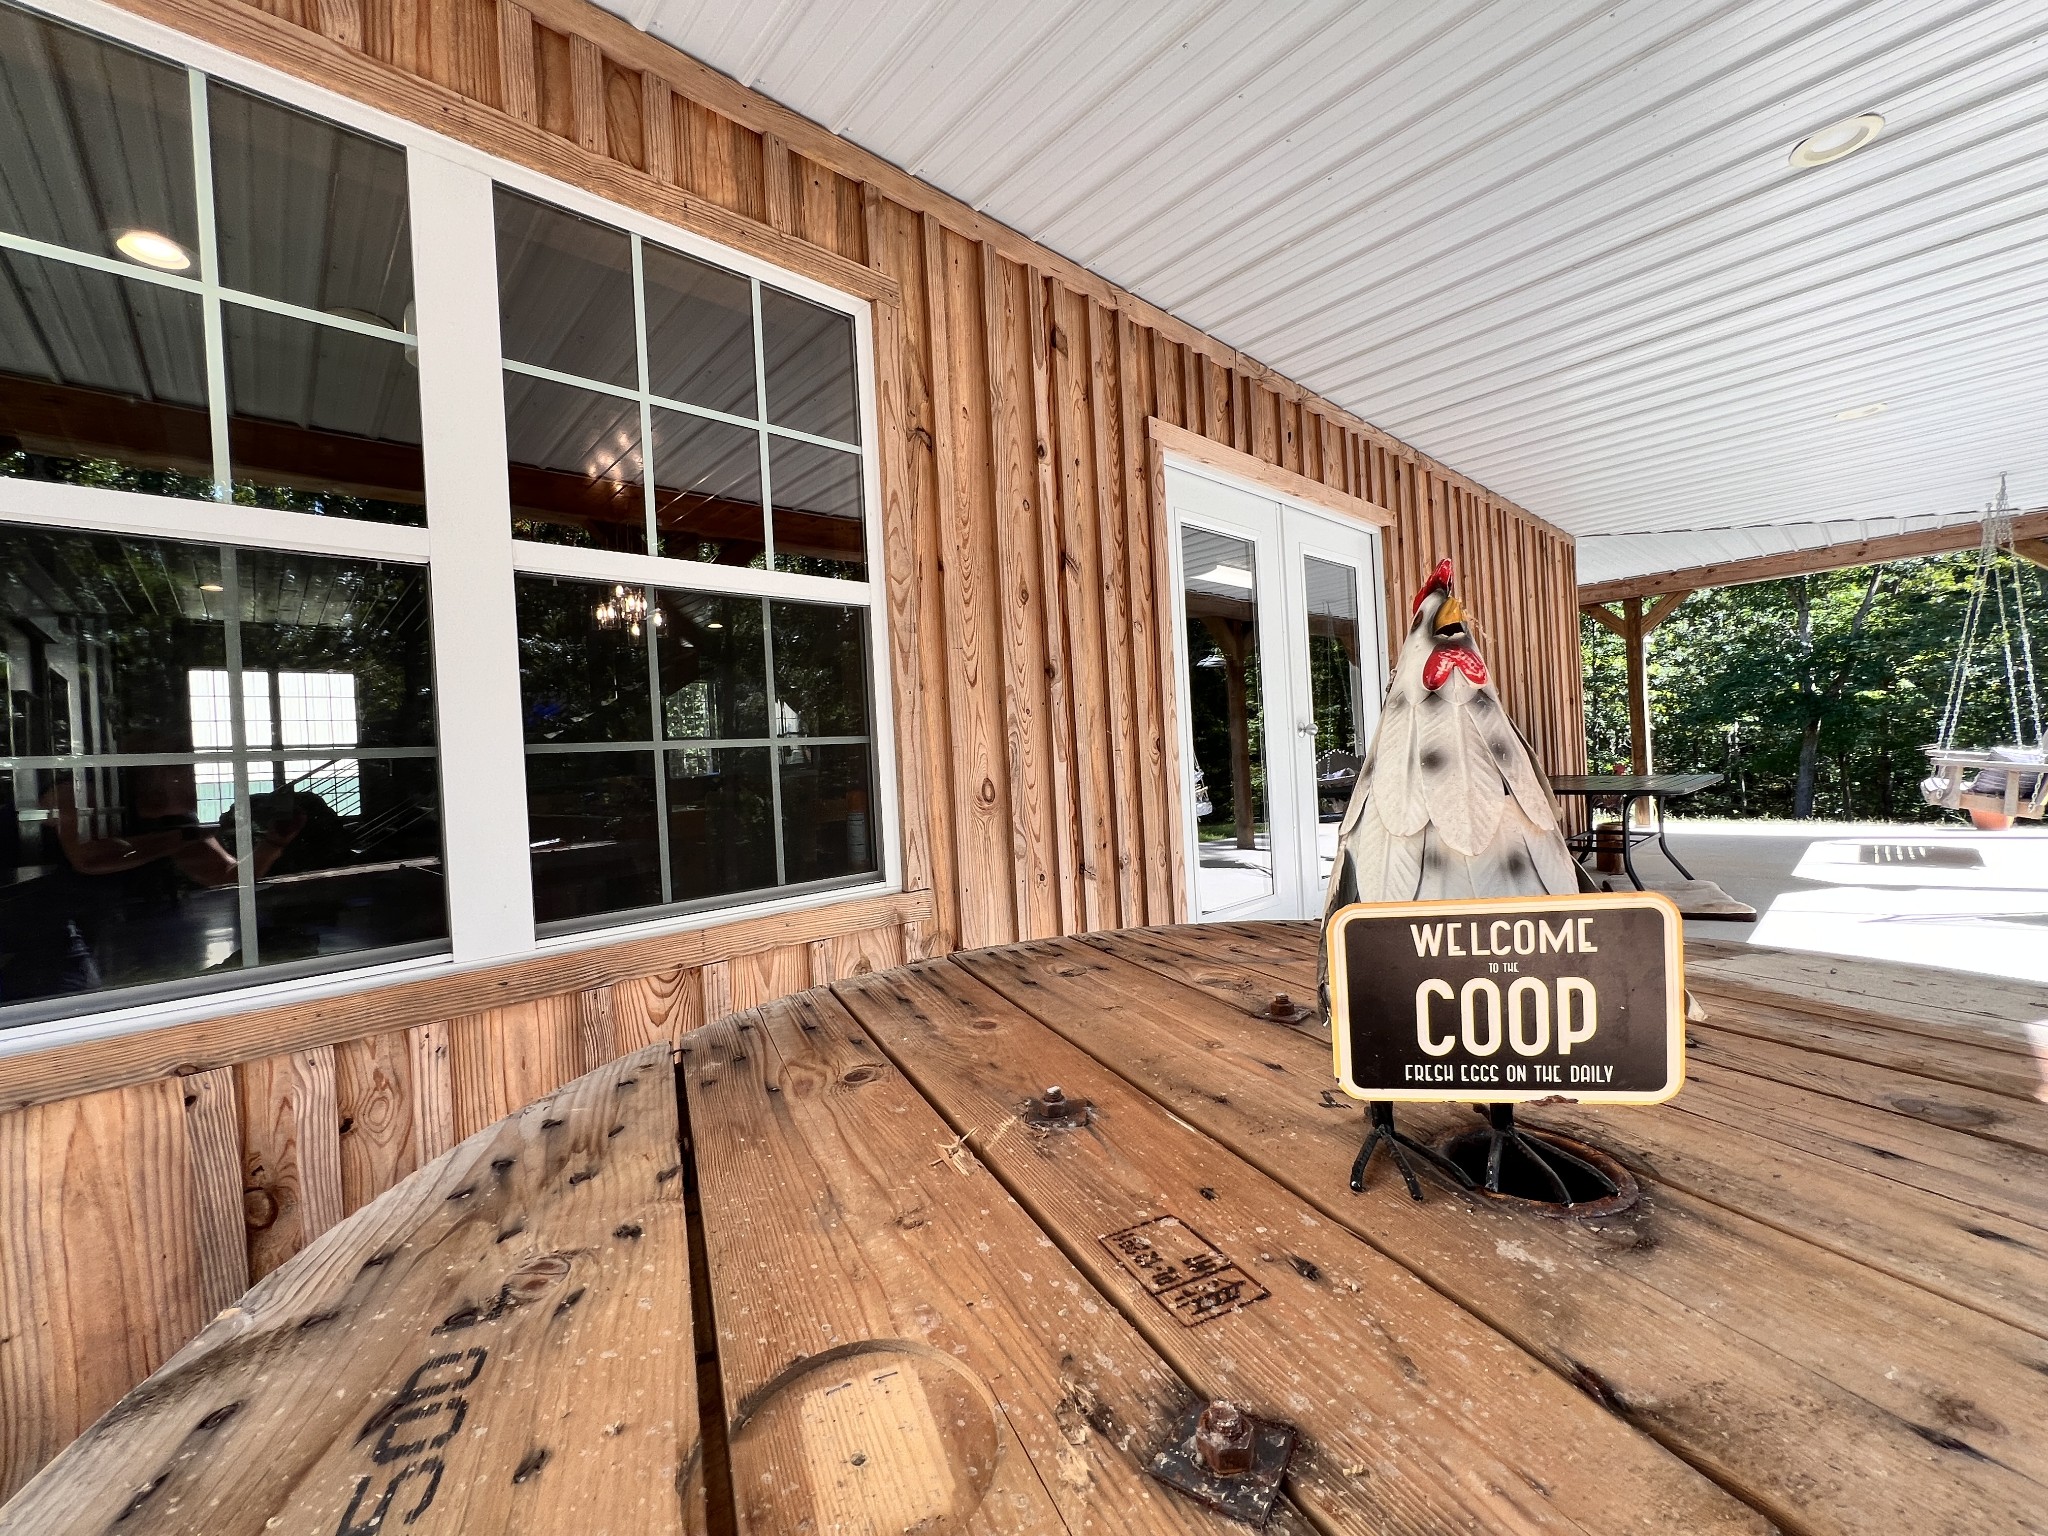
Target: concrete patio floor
{"type": "Point", "coordinates": [1919, 894]}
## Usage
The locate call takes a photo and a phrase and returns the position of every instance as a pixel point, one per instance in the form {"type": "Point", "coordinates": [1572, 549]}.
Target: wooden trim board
{"type": "Point", "coordinates": [1285, 482]}
{"type": "Point", "coordinates": [62, 1072]}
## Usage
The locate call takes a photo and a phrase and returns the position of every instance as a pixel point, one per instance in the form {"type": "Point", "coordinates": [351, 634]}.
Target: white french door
{"type": "Point", "coordinates": [1281, 670]}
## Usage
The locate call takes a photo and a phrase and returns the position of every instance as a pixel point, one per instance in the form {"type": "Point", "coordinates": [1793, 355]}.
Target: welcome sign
{"type": "Point", "coordinates": [1504, 1001]}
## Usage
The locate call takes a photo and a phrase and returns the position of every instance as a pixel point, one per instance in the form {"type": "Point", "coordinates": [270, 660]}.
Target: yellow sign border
{"type": "Point", "coordinates": [1601, 901]}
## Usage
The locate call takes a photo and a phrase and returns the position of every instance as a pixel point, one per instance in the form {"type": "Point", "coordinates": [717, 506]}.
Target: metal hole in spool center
{"type": "Point", "coordinates": [1523, 1184]}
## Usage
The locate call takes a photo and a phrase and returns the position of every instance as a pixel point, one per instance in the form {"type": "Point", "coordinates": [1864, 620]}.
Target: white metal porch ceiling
{"type": "Point", "coordinates": [1555, 243]}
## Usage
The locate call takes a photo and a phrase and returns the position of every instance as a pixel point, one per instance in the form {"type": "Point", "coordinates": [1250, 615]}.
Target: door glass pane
{"type": "Point", "coordinates": [1336, 679]}
{"type": "Point", "coordinates": [1220, 606]}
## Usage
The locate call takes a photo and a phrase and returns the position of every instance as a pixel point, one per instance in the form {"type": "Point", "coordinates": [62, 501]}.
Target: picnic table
{"type": "Point", "coordinates": [823, 1268]}
{"type": "Point", "coordinates": [1625, 789]}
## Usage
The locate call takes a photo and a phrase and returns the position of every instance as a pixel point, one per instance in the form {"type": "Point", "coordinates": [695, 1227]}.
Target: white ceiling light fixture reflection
{"type": "Point", "coordinates": [1227, 576]}
{"type": "Point", "coordinates": [151, 249]}
{"type": "Point", "coordinates": [211, 586]}
{"type": "Point", "coordinates": [1837, 141]}
{"type": "Point", "coordinates": [1861, 412]}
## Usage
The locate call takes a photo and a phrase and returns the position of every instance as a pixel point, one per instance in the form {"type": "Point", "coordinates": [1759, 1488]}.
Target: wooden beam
{"type": "Point", "coordinates": [1245, 466]}
{"type": "Point", "coordinates": [1633, 636]}
{"type": "Point", "coordinates": [2028, 527]}
{"type": "Point", "coordinates": [1666, 606]}
{"type": "Point", "coordinates": [2035, 550]}
{"type": "Point", "coordinates": [1606, 617]}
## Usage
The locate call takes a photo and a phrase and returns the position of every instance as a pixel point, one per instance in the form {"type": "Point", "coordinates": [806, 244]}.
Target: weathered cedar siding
{"type": "Point", "coordinates": [144, 1182]}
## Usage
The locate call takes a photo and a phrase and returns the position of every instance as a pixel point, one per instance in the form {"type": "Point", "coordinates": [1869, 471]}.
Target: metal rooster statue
{"type": "Point", "coordinates": [1449, 804]}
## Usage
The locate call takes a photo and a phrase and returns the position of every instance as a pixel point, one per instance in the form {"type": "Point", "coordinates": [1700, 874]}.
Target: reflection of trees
{"type": "Point", "coordinates": [821, 668]}
{"type": "Point", "coordinates": [1227, 708]}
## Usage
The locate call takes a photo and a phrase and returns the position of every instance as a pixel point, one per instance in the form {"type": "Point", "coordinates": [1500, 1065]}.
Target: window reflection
{"type": "Point", "coordinates": [565, 292]}
{"type": "Point", "coordinates": [583, 661]}
{"type": "Point", "coordinates": [309, 212]}
{"type": "Point", "coordinates": [729, 814]}
{"type": "Point", "coordinates": [826, 830]}
{"type": "Point", "coordinates": [95, 140]}
{"type": "Point", "coordinates": [721, 816]}
{"type": "Point", "coordinates": [152, 798]}
{"type": "Point", "coordinates": [713, 682]}
{"type": "Point", "coordinates": [700, 333]}
{"type": "Point", "coordinates": [576, 466]}
{"type": "Point", "coordinates": [707, 493]}
{"type": "Point", "coordinates": [102, 380]}
{"type": "Point", "coordinates": [821, 670]}
{"type": "Point", "coordinates": [808, 353]}
{"type": "Point", "coordinates": [817, 509]}
{"type": "Point", "coordinates": [322, 420]}
{"type": "Point", "coordinates": [595, 849]}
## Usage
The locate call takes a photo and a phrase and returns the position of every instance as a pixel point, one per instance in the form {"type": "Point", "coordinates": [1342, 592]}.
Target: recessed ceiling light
{"type": "Point", "coordinates": [714, 624]}
{"type": "Point", "coordinates": [1837, 141]}
{"type": "Point", "coordinates": [211, 586]}
{"type": "Point", "coordinates": [153, 250]}
{"type": "Point", "coordinates": [1858, 412]}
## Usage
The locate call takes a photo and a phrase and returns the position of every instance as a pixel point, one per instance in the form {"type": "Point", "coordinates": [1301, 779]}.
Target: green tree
{"type": "Point", "coordinates": [1814, 695]}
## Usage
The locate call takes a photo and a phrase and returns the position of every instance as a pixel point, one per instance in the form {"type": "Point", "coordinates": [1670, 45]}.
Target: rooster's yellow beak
{"type": "Point", "coordinates": [1450, 616]}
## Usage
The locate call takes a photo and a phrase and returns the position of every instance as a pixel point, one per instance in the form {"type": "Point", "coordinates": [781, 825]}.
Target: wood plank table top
{"type": "Point", "coordinates": [822, 1275]}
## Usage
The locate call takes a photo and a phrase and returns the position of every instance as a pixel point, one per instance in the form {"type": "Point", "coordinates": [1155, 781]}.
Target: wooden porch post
{"type": "Point", "coordinates": [1632, 635]}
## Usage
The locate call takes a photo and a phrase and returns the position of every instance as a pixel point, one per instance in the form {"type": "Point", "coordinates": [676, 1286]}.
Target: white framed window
{"type": "Point", "coordinates": [313, 345]}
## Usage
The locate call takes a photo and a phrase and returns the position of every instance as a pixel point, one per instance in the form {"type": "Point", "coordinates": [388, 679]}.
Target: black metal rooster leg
{"type": "Point", "coordinates": [1381, 1116]}
{"type": "Point", "coordinates": [1503, 1132]}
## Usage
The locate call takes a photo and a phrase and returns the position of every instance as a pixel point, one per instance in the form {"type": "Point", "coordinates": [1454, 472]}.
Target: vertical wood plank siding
{"type": "Point", "coordinates": [1031, 614]}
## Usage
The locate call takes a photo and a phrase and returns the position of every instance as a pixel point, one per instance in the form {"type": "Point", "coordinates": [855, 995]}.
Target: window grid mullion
{"type": "Point", "coordinates": [209, 288]}
{"type": "Point", "coordinates": [650, 595]}
{"type": "Point", "coordinates": [767, 485]}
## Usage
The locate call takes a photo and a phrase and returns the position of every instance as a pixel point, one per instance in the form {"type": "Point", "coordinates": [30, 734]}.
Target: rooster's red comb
{"type": "Point", "coordinates": [1439, 581]}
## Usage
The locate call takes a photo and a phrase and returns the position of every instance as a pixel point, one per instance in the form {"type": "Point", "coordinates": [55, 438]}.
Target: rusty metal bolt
{"type": "Point", "coordinates": [1223, 1438]}
{"type": "Point", "coordinates": [1281, 1005]}
{"type": "Point", "coordinates": [1054, 1097]}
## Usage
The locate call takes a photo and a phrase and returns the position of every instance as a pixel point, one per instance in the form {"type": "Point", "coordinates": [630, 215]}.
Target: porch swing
{"type": "Point", "coordinates": [1995, 785]}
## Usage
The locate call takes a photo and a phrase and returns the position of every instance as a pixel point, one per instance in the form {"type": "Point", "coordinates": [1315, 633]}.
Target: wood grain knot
{"type": "Point", "coordinates": [535, 1278]}
{"type": "Point", "coordinates": [856, 1076]}
{"type": "Point", "coordinates": [259, 1208]}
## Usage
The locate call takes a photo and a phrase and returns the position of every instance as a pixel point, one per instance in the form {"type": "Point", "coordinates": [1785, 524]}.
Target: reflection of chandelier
{"type": "Point", "coordinates": [625, 608]}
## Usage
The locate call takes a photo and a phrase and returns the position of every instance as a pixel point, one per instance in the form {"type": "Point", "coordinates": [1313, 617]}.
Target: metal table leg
{"type": "Point", "coordinates": [1666, 846]}
{"type": "Point", "coordinates": [1628, 859]}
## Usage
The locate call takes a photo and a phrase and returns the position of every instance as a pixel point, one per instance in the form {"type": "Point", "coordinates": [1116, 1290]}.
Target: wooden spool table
{"type": "Point", "coordinates": [908, 1309]}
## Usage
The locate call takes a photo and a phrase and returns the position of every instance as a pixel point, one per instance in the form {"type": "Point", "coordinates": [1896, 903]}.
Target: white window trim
{"type": "Point", "coordinates": [490, 902]}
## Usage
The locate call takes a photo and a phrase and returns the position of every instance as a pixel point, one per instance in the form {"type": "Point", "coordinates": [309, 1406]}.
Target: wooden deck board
{"type": "Point", "coordinates": [1992, 1117]}
{"type": "Point", "coordinates": [849, 1238]}
{"type": "Point", "coordinates": [1838, 1399]}
{"type": "Point", "coordinates": [1421, 1418]}
{"type": "Point", "coordinates": [501, 1342]}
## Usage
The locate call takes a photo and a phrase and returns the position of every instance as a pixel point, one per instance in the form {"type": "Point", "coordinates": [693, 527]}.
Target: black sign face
{"type": "Point", "coordinates": [1570, 997]}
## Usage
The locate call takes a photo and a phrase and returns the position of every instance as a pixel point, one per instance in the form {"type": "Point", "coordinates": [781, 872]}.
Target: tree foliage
{"type": "Point", "coordinates": [1742, 677]}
